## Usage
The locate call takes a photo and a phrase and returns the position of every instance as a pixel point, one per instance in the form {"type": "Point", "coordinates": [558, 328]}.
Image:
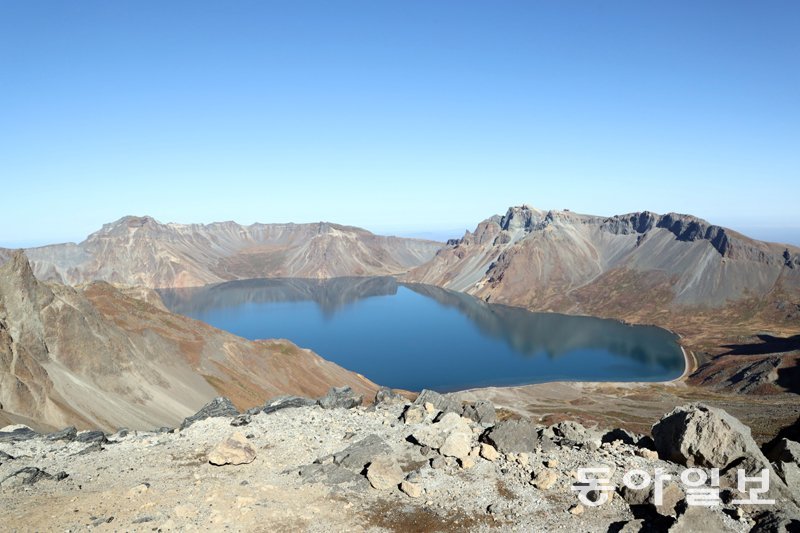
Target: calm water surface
{"type": "Point", "coordinates": [418, 336]}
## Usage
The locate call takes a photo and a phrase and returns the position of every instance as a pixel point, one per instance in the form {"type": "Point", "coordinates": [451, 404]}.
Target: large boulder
{"type": "Point", "coordinates": [513, 436]}
{"type": "Point", "coordinates": [446, 403]}
{"type": "Point", "coordinates": [697, 435]}
{"type": "Point", "coordinates": [219, 406]}
{"type": "Point", "coordinates": [340, 398]}
{"type": "Point", "coordinates": [234, 450]}
{"type": "Point", "coordinates": [482, 412]}
{"type": "Point", "coordinates": [703, 436]}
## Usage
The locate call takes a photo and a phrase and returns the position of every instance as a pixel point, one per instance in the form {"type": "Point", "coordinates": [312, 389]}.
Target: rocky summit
{"type": "Point", "coordinates": [316, 467]}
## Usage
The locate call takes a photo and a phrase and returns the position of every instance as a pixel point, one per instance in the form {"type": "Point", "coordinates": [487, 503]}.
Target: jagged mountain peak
{"type": "Point", "coordinates": [572, 262]}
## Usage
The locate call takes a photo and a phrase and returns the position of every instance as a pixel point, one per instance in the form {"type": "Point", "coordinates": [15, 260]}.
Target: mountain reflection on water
{"type": "Point", "coordinates": [382, 329]}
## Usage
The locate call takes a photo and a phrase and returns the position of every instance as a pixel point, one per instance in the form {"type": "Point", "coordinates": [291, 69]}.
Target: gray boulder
{"type": "Point", "coordinates": [31, 475]}
{"type": "Point", "coordinates": [482, 412]}
{"type": "Point", "coordinates": [219, 406]}
{"type": "Point", "coordinates": [703, 436]}
{"type": "Point", "coordinates": [700, 520]}
{"type": "Point", "coordinates": [67, 434]}
{"type": "Point", "coordinates": [513, 436]}
{"type": "Point", "coordinates": [286, 402]}
{"type": "Point", "coordinates": [446, 403]}
{"type": "Point", "coordinates": [91, 437]}
{"type": "Point", "coordinates": [786, 457]}
{"type": "Point", "coordinates": [18, 434]}
{"type": "Point", "coordinates": [697, 435]}
{"type": "Point", "coordinates": [347, 465]}
{"type": "Point", "coordinates": [340, 398]}
{"type": "Point", "coordinates": [386, 395]}
{"type": "Point", "coordinates": [573, 433]}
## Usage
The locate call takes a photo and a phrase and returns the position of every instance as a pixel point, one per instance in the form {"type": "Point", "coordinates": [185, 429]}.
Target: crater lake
{"type": "Point", "coordinates": [418, 336]}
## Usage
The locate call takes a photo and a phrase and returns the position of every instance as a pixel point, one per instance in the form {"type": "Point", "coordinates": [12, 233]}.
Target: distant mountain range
{"type": "Point", "coordinates": [105, 352]}
{"type": "Point", "coordinates": [143, 251]}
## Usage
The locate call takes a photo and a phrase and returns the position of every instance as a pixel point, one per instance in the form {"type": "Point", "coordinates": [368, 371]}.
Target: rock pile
{"type": "Point", "coordinates": [396, 463]}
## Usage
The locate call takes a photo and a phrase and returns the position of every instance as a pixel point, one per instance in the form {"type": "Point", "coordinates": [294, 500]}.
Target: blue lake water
{"type": "Point", "coordinates": [417, 336]}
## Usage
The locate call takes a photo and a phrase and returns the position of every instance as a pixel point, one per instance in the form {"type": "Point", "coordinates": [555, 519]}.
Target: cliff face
{"type": "Point", "coordinates": [142, 251]}
{"type": "Point", "coordinates": [96, 357]}
{"type": "Point", "coordinates": [563, 261]}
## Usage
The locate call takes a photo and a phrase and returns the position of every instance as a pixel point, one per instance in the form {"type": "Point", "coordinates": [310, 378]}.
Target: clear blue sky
{"type": "Point", "coordinates": [400, 116]}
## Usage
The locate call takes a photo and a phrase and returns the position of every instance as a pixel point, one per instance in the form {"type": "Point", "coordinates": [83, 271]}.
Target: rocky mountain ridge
{"type": "Point", "coordinates": [558, 252]}
{"type": "Point", "coordinates": [142, 251]}
{"type": "Point", "coordinates": [94, 356]}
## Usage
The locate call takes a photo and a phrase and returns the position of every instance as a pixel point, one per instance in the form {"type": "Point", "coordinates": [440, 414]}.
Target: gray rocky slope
{"type": "Point", "coordinates": [143, 251]}
{"type": "Point", "coordinates": [431, 465]}
{"type": "Point", "coordinates": [562, 260]}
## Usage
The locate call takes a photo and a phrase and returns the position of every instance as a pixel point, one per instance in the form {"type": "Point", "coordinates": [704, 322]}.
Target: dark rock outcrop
{"type": "Point", "coordinates": [31, 474]}
{"type": "Point", "coordinates": [219, 406]}
{"type": "Point", "coordinates": [286, 402]}
{"type": "Point", "coordinates": [67, 434]}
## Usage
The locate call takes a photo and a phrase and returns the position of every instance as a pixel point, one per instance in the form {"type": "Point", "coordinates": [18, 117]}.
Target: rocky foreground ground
{"type": "Point", "coordinates": [432, 465]}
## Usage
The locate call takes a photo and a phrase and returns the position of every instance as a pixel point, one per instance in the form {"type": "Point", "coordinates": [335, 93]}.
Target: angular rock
{"type": "Point", "coordinates": [241, 420]}
{"type": "Point", "coordinates": [482, 412]}
{"type": "Point", "coordinates": [286, 402]}
{"type": "Point", "coordinates": [545, 479]}
{"type": "Point", "coordinates": [386, 395]}
{"type": "Point", "coordinates": [699, 435]}
{"type": "Point", "coordinates": [446, 403]}
{"type": "Point", "coordinates": [340, 398]}
{"type": "Point", "coordinates": [510, 436]}
{"type": "Point", "coordinates": [90, 437]}
{"type": "Point", "coordinates": [489, 452]}
{"type": "Point", "coordinates": [30, 475]}
{"type": "Point", "coordinates": [457, 444]}
{"type": "Point", "coordinates": [356, 456]}
{"type": "Point", "coordinates": [699, 520]}
{"type": "Point", "coordinates": [67, 434]}
{"type": "Point", "coordinates": [235, 450]}
{"type": "Point", "coordinates": [4, 457]}
{"type": "Point", "coordinates": [434, 435]}
{"type": "Point", "coordinates": [573, 433]}
{"type": "Point", "coordinates": [219, 406]}
{"type": "Point", "coordinates": [414, 414]}
{"type": "Point", "coordinates": [18, 433]}
{"type": "Point", "coordinates": [786, 456]}
{"type": "Point", "coordinates": [671, 496]}
{"type": "Point", "coordinates": [384, 473]}
{"type": "Point", "coordinates": [413, 490]}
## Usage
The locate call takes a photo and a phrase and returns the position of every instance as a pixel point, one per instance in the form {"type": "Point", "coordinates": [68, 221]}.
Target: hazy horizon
{"type": "Point", "coordinates": [407, 118]}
